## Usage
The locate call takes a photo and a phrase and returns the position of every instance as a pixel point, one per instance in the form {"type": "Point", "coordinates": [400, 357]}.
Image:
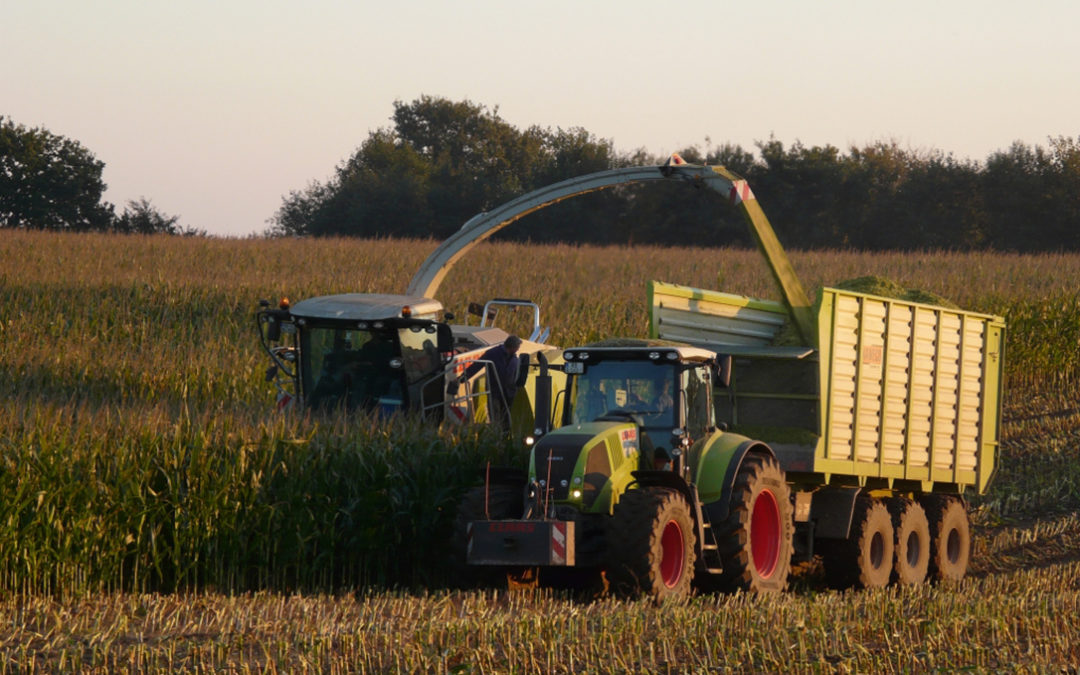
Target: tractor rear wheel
{"type": "Point", "coordinates": [503, 502]}
{"type": "Point", "coordinates": [950, 538]}
{"type": "Point", "coordinates": [755, 541]}
{"type": "Point", "coordinates": [651, 544]}
{"type": "Point", "coordinates": [865, 558]}
{"type": "Point", "coordinates": [912, 541]}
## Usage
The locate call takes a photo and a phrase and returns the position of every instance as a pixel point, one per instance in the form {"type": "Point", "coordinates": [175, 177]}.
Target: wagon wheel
{"type": "Point", "coordinates": [865, 558]}
{"type": "Point", "coordinates": [912, 541]}
{"type": "Point", "coordinates": [950, 538]}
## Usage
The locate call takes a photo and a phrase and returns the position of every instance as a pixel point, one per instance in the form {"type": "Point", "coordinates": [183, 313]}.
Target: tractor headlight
{"type": "Point", "coordinates": [395, 362]}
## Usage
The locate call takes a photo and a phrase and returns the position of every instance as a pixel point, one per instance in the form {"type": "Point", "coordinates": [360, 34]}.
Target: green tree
{"type": "Point", "coordinates": [49, 182]}
{"type": "Point", "coordinates": [441, 163]}
{"type": "Point", "coordinates": [142, 217]}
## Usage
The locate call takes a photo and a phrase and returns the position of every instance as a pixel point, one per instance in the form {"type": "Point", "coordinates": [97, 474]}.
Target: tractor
{"type": "Point", "coordinates": [639, 482]}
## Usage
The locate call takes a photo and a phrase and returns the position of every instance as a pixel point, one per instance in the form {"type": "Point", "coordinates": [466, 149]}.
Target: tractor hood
{"type": "Point", "coordinates": [586, 465]}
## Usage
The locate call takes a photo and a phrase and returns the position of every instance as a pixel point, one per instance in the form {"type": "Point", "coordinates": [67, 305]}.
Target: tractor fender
{"type": "Point", "coordinates": [665, 479]}
{"type": "Point", "coordinates": [718, 466]}
{"type": "Point", "coordinates": [673, 481]}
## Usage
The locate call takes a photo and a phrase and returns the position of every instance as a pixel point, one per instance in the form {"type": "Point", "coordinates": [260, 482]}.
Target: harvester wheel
{"type": "Point", "coordinates": [912, 541]}
{"type": "Point", "coordinates": [503, 502]}
{"type": "Point", "coordinates": [865, 558]}
{"type": "Point", "coordinates": [755, 541]}
{"type": "Point", "coordinates": [651, 544]}
{"type": "Point", "coordinates": [950, 538]}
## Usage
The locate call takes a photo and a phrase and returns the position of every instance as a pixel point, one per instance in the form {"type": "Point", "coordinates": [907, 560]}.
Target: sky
{"type": "Point", "coordinates": [215, 111]}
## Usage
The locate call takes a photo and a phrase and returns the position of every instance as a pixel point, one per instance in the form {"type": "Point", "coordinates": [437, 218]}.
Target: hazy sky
{"type": "Point", "coordinates": [216, 110]}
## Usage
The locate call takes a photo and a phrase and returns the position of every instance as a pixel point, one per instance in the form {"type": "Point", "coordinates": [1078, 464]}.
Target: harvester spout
{"type": "Point", "coordinates": [433, 270]}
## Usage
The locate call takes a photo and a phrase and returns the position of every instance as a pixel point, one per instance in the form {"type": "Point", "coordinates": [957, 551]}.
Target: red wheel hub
{"type": "Point", "coordinates": [671, 546]}
{"type": "Point", "coordinates": [765, 533]}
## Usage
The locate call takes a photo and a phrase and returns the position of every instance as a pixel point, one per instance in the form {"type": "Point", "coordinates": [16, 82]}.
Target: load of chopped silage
{"type": "Point", "coordinates": [870, 285]}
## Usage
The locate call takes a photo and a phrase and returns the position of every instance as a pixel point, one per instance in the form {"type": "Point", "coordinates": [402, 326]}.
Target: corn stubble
{"type": "Point", "coordinates": [158, 516]}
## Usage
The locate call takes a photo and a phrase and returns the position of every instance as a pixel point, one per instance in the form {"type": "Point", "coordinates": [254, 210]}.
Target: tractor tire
{"type": "Point", "coordinates": [651, 544]}
{"type": "Point", "coordinates": [503, 502]}
{"type": "Point", "coordinates": [865, 558]}
{"type": "Point", "coordinates": [756, 540]}
{"type": "Point", "coordinates": [950, 538]}
{"type": "Point", "coordinates": [912, 543]}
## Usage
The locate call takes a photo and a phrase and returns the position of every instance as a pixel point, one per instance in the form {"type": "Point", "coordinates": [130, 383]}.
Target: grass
{"type": "Point", "coordinates": [139, 455]}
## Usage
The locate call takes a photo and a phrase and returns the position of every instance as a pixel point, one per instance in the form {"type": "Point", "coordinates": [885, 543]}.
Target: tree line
{"type": "Point", "coordinates": [49, 182]}
{"type": "Point", "coordinates": [444, 161]}
{"type": "Point", "coordinates": [440, 162]}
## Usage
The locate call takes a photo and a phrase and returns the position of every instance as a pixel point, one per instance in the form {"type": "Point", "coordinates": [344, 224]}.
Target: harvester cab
{"type": "Point", "coordinates": [357, 351]}
{"type": "Point", "coordinates": [387, 353]}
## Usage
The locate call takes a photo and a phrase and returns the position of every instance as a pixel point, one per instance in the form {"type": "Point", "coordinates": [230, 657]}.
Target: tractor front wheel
{"type": "Point", "coordinates": [652, 544]}
{"type": "Point", "coordinates": [755, 541]}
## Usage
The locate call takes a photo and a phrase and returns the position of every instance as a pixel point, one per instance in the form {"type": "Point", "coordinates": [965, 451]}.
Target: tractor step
{"type": "Point", "coordinates": [709, 549]}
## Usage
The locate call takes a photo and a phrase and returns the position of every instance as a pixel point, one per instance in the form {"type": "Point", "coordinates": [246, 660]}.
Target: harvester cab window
{"type": "Point", "coordinates": [350, 367]}
{"type": "Point", "coordinates": [419, 352]}
{"type": "Point", "coordinates": [421, 361]}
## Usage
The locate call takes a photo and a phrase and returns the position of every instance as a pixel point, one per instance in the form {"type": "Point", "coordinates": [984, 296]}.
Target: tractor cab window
{"type": "Point", "coordinates": [643, 388]}
{"type": "Point", "coordinates": [351, 367]}
{"type": "Point", "coordinates": [699, 413]}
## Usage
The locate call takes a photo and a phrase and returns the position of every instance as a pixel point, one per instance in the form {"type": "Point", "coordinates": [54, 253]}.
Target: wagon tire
{"type": "Point", "coordinates": [950, 538]}
{"type": "Point", "coordinates": [865, 558]}
{"type": "Point", "coordinates": [912, 544]}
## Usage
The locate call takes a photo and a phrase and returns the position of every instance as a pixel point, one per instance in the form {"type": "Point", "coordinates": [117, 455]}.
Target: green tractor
{"type": "Point", "coordinates": [639, 483]}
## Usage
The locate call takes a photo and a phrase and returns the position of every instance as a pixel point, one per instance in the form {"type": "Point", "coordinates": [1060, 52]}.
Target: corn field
{"type": "Point", "coordinates": [159, 516]}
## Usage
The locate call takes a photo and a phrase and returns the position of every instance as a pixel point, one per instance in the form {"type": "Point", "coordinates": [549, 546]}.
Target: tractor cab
{"type": "Point", "coordinates": [358, 351]}
{"type": "Point", "coordinates": [665, 391]}
{"type": "Point", "coordinates": [633, 407]}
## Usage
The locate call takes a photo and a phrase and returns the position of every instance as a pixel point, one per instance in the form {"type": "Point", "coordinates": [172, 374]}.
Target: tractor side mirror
{"type": "Point", "coordinates": [273, 329]}
{"type": "Point", "coordinates": [445, 339]}
{"type": "Point", "coordinates": [723, 370]}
